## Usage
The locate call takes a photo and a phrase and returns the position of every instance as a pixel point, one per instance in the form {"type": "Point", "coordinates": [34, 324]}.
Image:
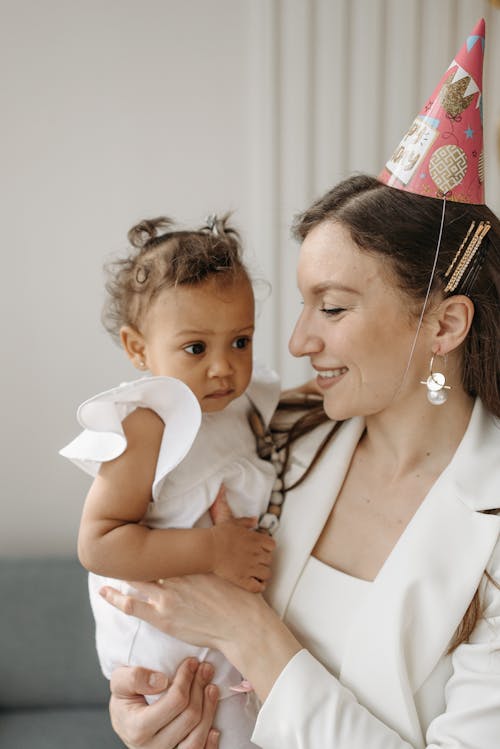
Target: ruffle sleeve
{"type": "Point", "coordinates": [103, 438]}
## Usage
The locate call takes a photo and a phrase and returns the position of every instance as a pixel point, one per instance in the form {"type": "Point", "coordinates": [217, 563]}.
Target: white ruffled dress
{"type": "Point", "coordinates": [199, 451]}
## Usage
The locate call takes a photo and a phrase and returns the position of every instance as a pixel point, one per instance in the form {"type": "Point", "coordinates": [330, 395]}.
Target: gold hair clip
{"type": "Point", "coordinates": [468, 254]}
{"type": "Point", "coordinates": [457, 254]}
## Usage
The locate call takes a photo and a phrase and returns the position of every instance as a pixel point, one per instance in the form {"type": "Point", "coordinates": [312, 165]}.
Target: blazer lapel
{"type": "Point", "coordinates": [306, 509]}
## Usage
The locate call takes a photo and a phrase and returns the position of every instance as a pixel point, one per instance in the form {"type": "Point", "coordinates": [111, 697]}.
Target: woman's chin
{"type": "Point", "coordinates": [335, 413]}
{"type": "Point", "coordinates": [339, 410]}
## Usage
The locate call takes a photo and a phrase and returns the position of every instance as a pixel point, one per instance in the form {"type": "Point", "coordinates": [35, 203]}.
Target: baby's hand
{"type": "Point", "coordinates": [240, 554]}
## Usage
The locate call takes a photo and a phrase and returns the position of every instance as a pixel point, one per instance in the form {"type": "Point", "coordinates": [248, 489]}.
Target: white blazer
{"type": "Point", "coordinates": [397, 687]}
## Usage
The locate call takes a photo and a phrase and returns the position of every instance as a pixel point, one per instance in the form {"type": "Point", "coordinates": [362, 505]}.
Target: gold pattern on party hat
{"type": "Point", "coordinates": [441, 155]}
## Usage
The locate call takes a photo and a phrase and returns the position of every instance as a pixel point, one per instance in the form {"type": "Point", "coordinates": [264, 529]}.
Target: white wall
{"type": "Point", "coordinates": [113, 110]}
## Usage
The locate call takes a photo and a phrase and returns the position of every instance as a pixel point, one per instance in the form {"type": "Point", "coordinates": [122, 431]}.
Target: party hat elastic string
{"type": "Point", "coordinates": [427, 295]}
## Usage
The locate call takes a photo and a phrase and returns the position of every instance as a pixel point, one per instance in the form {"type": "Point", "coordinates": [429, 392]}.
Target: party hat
{"type": "Point", "coordinates": [441, 155]}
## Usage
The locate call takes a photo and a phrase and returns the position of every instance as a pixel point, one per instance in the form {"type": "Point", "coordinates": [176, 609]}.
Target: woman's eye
{"type": "Point", "coordinates": [332, 311]}
{"type": "Point", "coordinates": [195, 348]}
{"type": "Point", "coordinates": [242, 342]}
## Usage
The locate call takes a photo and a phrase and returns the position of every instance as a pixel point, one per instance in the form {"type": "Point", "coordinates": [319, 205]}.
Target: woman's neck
{"type": "Point", "coordinates": [407, 435]}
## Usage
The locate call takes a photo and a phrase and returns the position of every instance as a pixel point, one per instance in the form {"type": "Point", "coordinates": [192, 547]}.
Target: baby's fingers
{"type": "Point", "coordinates": [261, 572]}
{"type": "Point", "coordinates": [260, 543]}
{"type": "Point", "coordinates": [220, 511]}
{"type": "Point", "coordinates": [251, 584]}
{"type": "Point", "coordinates": [267, 543]}
{"type": "Point", "coordinates": [246, 522]}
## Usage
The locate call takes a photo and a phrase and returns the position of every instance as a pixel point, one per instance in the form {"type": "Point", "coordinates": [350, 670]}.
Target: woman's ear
{"type": "Point", "coordinates": [134, 345]}
{"type": "Point", "coordinates": [454, 319]}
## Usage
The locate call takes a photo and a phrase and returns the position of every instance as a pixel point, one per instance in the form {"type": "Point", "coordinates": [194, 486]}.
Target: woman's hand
{"type": "Point", "coordinates": [207, 611]}
{"type": "Point", "coordinates": [182, 717]}
{"type": "Point", "coordinates": [204, 610]}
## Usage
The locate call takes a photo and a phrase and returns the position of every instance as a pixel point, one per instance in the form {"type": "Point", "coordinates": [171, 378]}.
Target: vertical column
{"type": "Point", "coordinates": [331, 53]}
{"type": "Point", "coordinates": [296, 162]}
{"type": "Point", "coordinates": [364, 66]}
{"type": "Point", "coordinates": [264, 171]}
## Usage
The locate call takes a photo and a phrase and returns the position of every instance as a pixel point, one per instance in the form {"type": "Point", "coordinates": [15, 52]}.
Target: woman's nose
{"type": "Point", "coordinates": [303, 341]}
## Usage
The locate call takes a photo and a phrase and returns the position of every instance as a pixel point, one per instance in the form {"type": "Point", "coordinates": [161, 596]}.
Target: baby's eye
{"type": "Point", "coordinates": [332, 311]}
{"type": "Point", "coordinates": [242, 342]}
{"type": "Point", "coordinates": [195, 348]}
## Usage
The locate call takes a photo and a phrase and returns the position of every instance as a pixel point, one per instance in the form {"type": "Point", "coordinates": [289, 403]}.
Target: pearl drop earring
{"type": "Point", "coordinates": [436, 386]}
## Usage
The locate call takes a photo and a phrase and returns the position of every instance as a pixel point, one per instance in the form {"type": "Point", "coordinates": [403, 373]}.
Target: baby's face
{"type": "Point", "coordinates": [202, 335]}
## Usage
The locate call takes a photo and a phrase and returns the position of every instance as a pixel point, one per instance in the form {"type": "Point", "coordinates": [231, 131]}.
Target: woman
{"type": "Point", "coordinates": [388, 553]}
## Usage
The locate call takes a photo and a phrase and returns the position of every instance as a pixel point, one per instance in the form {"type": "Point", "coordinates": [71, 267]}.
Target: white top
{"type": "Point", "coordinates": [198, 451]}
{"type": "Point", "coordinates": [325, 600]}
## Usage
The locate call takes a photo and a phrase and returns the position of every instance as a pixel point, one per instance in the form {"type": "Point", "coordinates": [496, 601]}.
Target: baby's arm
{"type": "Point", "coordinates": [113, 543]}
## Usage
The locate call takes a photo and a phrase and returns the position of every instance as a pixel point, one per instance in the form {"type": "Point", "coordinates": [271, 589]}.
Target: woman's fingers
{"type": "Point", "coordinates": [202, 735]}
{"type": "Point", "coordinates": [194, 607]}
{"type": "Point", "coordinates": [213, 739]}
{"type": "Point", "coordinates": [129, 604]}
{"type": "Point", "coordinates": [129, 682]}
{"type": "Point", "coordinates": [133, 719]}
{"type": "Point", "coordinates": [183, 714]}
{"type": "Point", "coordinates": [191, 725]}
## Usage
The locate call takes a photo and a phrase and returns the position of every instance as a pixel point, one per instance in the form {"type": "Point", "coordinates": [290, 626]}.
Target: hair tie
{"type": "Point", "coordinates": [211, 223]}
{"type": "Point", "coordinates": [141, 274]}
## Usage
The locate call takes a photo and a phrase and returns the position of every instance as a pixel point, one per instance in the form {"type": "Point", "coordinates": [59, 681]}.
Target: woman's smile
{"type": "Point", "coordinates": [326, 378]}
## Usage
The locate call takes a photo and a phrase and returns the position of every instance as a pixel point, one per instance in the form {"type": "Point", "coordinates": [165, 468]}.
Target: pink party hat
{"type": "Point", "coordinates": [441, 155]}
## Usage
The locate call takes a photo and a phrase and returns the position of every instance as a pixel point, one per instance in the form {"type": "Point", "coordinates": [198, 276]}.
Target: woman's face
{"type": "Point", "coordinates": [355, 326]}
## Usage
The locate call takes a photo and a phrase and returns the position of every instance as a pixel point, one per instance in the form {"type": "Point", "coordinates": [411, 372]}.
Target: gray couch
{"type": "Point", "coordinates": [52, 694]}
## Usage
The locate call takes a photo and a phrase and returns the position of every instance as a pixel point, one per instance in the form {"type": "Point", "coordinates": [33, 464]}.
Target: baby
{"type": "Point", "coordinates": [161, 447]}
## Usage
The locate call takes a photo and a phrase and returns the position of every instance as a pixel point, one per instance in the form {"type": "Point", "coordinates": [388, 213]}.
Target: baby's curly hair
{"type": "Point", "coordinates": [163, 256]}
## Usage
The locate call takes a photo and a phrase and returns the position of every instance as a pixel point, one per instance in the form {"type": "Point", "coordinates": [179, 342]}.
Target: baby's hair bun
{"type": "Point", "coordinates": [161, 256]}
{"type": "Point", "coordinates": [218, 226]}
{"type": "Point", "coordinates": [145, 232]}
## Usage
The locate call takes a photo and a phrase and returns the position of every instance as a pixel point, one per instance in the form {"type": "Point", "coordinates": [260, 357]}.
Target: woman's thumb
{"type": "Point", "coordinates": [220, 512]}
